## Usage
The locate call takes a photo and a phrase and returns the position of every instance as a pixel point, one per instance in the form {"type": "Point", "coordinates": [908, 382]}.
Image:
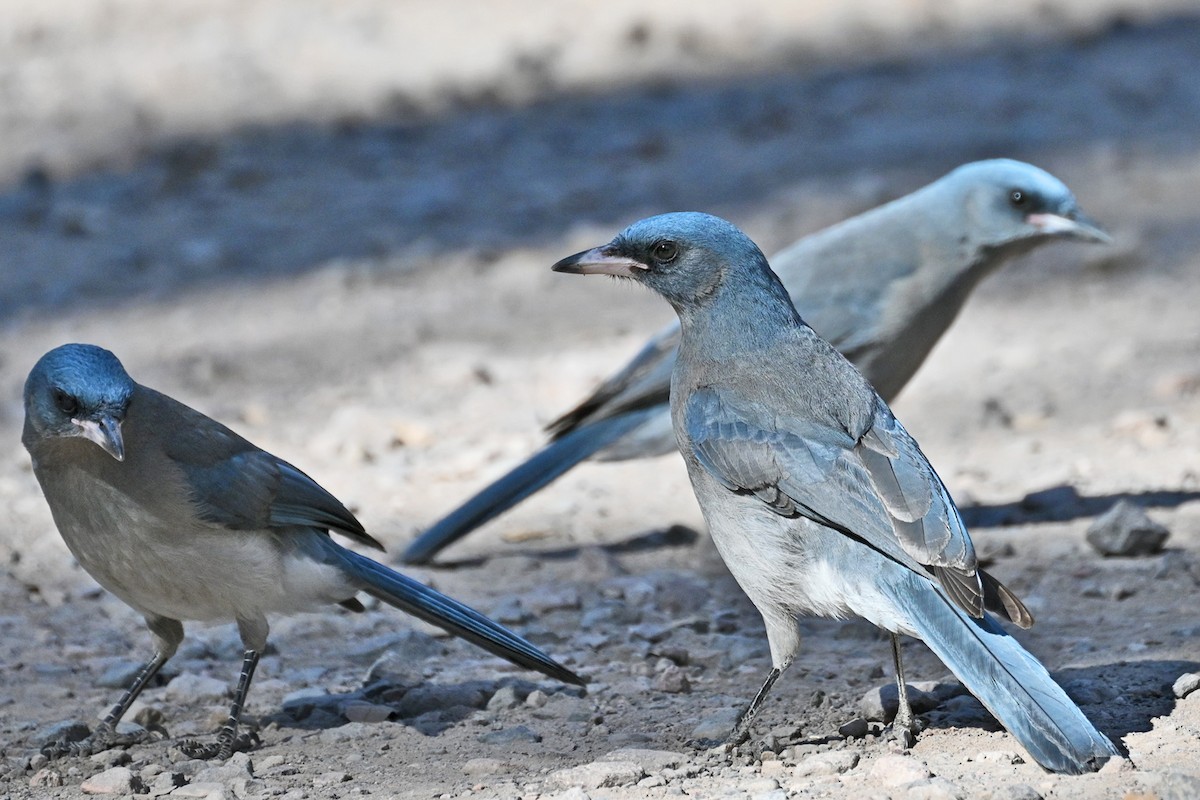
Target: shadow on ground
{"type": "Point", "coordinates": [280, 200]}
{"type": "Point", "coordinates": [1063, 503]}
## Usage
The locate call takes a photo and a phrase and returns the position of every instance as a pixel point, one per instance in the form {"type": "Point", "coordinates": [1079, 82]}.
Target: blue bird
{"type": "Point", "coordinates": [817, 498]}
{"type": "Point", "coordinates": [183, 519]}
{"type": "Point", "coordinates": [881, 287]}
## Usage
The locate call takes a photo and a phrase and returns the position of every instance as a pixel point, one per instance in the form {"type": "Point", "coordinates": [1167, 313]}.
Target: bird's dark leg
{"type": "Point", "coordinates": [253, 631]}
{"type": "Point", "coordinates": [168, 633]}
{"type": "Point", "coordinates": [904, 726]}
{"type": "Point", "coordinates": [227, 739]}
{"type": "Point", "coordinates": [741, 729]}
{"type": "Point", "coordinates": [144, 676]}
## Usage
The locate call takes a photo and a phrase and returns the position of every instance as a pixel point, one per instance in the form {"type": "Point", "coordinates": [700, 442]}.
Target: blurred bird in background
{"type": "Point", "coordinates": [881, 287]}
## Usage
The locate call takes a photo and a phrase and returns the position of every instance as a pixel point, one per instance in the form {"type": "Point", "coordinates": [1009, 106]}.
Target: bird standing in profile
{"type": "Point", "coordinates": [817, 498]}
{"type": "Point", "coordinates": [881, 287]}
{"type": "Point", "coordinates": [183, 519]}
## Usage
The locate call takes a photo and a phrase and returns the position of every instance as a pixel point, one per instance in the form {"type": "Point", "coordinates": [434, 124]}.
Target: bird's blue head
{"type": "Point", "coordinates": [684, 256]}
{"type": "Point", "coordinates": [79, 390]}
{"type": "Point", "coordinates": [1011, 202]}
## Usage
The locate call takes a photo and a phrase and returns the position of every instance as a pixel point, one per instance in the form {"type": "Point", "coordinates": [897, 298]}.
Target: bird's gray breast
{"type": "Point", "coordinates": [161, 559]}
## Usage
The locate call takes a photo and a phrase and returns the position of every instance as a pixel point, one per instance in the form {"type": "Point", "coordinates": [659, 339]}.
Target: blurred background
{"type": "Point", "coordinates": [329, 224]}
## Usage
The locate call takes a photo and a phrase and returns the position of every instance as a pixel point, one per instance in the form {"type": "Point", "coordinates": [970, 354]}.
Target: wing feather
{"type": "Point", "coordinates": [876, 486]}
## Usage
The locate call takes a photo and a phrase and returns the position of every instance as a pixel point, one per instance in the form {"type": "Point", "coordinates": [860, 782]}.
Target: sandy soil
{"type": "Point", "coordinates": [344, 254]}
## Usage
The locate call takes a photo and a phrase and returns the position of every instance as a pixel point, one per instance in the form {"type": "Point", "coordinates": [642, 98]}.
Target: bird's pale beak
{"type": "Point", "coordinates": [599, 261]}
{"type": "Point", "coordinates": [105, 432]}
{"type": "Point", "coordinates": [1073, 224]}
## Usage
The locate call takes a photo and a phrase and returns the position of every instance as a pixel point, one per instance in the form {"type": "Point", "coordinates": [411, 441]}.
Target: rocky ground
{"type": "Point", "coordinates": [358, 281]}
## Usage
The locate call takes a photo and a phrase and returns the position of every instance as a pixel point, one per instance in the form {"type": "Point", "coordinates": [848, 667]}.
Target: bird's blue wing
{"type": "Point", "coordinates": [876, 486]}
{"type": "Point", "coordinates": [234, 484]}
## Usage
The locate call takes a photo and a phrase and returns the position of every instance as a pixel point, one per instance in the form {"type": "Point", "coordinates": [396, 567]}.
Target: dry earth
{"type": "Point", "coordinates": [330, 226]}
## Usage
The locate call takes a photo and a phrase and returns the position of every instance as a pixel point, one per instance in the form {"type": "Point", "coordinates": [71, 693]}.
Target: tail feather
{"type": "Point", "coordinates": [447, 613]}
{"type": "Point", "coordinates": [1006, 678]}
{"type": "Point", "coordinates": [527, 478]}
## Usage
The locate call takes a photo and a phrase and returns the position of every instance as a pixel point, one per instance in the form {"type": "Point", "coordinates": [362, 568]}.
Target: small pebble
{"type": "Point", "coordinates": [46, 778]}
{"type": "Point", "coordinates": [506, 697]}
{"type": "Point", "coordinates": [673, 680]}
{"type": "Point", "coordinates": [1126, 530]}
{"type": "Point", "coordinates": [856, 728]}
{"type": "Point", "coordinates": [999, 757]}
{"type": "Point", "coordinates": [437, 697]}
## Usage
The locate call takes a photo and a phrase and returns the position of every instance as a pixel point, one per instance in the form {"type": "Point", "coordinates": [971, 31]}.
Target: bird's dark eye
{"type": "Point", "coordinates": [1017, 198]}
{"type": "Point", "coordinates": [66, 403]}
{"type": "Point", "coordinates": [664, 251]}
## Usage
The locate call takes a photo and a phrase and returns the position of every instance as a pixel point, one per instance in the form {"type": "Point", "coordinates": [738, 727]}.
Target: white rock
{"type": "Point", "coordinates": [999, 756]}
{"type": "Point", "coordinates": [896, 770]}
{"type": "Point", "coordinates": [118, 780]}
{"type": "Point", "coordinates": [599, 774]}
{"type": "Point", "coordinates": [1185, 684]}
{"type": "Point", "coordinates": [831, 763]}
{"type": "Point", "coordinates": [44, 778]}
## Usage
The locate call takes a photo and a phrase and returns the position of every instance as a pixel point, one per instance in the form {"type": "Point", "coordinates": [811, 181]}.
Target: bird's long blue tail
{"type": "Point", "coordinates": [1006, 678]}
{"type": "Point", "coordinates": [436, 608]}
{"type": "Point", "coordinates": [531, 475]}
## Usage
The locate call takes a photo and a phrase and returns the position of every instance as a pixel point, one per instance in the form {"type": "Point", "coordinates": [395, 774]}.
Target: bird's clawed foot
{"type": "Point", "coordinates": [104, 737]}
{"type": "Point", "coordinates": [226, 745]}
{"type": "Point", "coordinates": [904, 729]}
